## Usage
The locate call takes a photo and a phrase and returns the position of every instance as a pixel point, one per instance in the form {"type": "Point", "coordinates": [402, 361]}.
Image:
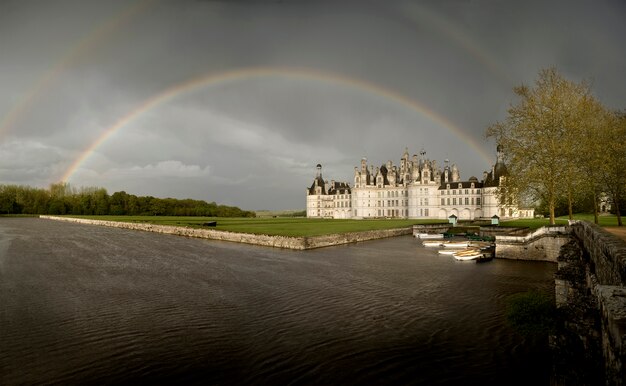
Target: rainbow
{"type": "Point", "coordinates": [419, 14]}
{"type": "Point", "coordinates": [74, 53]}
{"type": "Point", "coordinates": [213, 79]}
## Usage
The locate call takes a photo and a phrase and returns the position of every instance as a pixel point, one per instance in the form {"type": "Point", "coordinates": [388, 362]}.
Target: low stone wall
{"type": "Point", "coordinates": [544, 244]}
{"type": "Point", "coordinates": [431, 228]}
{"type": "Point", "coordinates": [543, 249]}
{"type": "Point", "coordinates": [606, 251]}
{"type": "Point", "coordinates": [299, 243]}
{"type": "Point", "coordinates": [590, 292]}
{"type": "Point", "coordinates": [497, 230]}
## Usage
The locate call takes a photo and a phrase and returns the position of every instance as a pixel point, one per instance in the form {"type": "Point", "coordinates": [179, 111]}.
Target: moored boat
{"type": "Point", "coordinates": [455, 244]}
{"type": "Point", "coordinates": [468, 254]}
{"type": "Point", "coordinates": [429, 236]}
{"type": "Point", "coordinates": [447, 251]}
{"type": "Point", "coordinates": [432, 243]}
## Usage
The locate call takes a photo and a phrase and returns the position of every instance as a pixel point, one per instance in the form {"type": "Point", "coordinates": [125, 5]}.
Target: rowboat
{"type": "Point", "coordinates": [447, 251]}
{"type": "Point", "coordinates": [424, 236]}
{"type": "Point", "coordinates": [432, 243]}
{"type": "Point", "coordinates": [468, 254]}
{"type": "Point", "coordinates": [455, 244]}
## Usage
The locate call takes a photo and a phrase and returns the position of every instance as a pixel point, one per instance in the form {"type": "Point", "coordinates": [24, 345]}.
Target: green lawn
{"type": "Point", "coordinates": [284, 226]}
{"type": "Point", "coordinates": [604, 221]}
{"type": "Point", "coordinates": [272, 226]}
{"type": "Point", "coordinates": [609, 220]}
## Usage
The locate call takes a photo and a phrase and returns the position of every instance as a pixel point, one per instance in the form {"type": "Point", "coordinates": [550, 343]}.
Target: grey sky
{"type": "Point", "coordinates": [386, 72]}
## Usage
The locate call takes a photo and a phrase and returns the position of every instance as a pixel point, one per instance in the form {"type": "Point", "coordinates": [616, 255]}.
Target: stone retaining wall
{"type": "Point", "coordinates": [606, 251]}
{"type": "Point", "coordinates": [497, 230]}
{"type": "Point", "coordinates": [544, 244]}
{"type": "Point", "coordinates": [431, 228]}
{"type": "Point", "coordinates": [299, 243]}
{"type": "Point", "coordinates": [590, 289]}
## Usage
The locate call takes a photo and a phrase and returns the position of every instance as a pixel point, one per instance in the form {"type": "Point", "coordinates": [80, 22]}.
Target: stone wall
{"type": "Point", "coordinates": [591, 296]}
{"type": "Point", "coordinates": [298, 243]}
{"type": "Point", "coordinates": [544, 244]}
{"type": "Point", "coordinates": [497, 230]}
{"type": "Point", "coordinates": [607, 253]}
{"type": "Point", "coordinates": [431, 228]}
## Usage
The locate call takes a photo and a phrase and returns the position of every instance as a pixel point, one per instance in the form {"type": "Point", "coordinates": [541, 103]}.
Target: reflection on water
{"type": "Point", "coordinates": [89, 304]}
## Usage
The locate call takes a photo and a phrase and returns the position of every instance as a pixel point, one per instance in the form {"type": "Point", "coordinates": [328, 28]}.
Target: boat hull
{"type": "Point", "coordinates": [468, 254]}
{"type": "Point", "coordinates": [428, 236]}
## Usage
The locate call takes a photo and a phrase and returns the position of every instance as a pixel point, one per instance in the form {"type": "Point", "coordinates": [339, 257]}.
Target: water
{"type": "Point", "coordinates": [86, 304]}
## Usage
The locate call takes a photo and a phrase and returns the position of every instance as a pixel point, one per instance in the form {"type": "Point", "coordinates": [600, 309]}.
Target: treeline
{"type": "Point", "coordinates": [63, 199]}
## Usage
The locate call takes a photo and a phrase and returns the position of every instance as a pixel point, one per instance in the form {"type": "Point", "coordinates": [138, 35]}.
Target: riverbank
{"type": "Point", "coordinates": [297, 243]}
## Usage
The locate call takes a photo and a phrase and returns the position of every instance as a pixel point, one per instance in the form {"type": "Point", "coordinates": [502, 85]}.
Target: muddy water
{"type": "Point", "coordinates": [86, 304]}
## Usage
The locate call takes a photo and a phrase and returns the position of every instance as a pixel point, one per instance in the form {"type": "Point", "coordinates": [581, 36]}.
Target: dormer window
{"type": "Point", "coordinates": [460, 186]}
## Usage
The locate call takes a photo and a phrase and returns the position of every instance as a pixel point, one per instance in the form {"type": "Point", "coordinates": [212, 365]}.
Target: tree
{"type": "Point", "coordinates": [613, 174]}
{"type": "Point", "coordinates": [540, 139]}
{"type": "Point", "coordinates": [594, 119]}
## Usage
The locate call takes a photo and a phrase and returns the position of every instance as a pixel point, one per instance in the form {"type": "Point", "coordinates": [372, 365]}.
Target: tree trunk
{"type": "Point", "coordinates": [619, 216]}
{"type": "Point", "coordinates": [552, 220]}
{"type": "Point", "coordinates": [570, 205]}
{"type": "Point", "coordinates": [595, 207]}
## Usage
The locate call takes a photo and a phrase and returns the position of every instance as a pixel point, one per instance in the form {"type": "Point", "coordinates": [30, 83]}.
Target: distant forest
{"type": "Point", "coordinates": [63, 199]}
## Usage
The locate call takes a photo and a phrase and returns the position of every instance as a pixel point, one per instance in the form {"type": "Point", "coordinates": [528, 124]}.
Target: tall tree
{"type": "Point", "coordinates": [539, 137]}
{"type": "Point", "coordinates": [594, 120]}
{"type": "Point", "coordinates": [614, 153]}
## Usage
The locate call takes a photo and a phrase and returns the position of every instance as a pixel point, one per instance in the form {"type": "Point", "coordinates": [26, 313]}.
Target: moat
{"type": "Point", "coordinates": [88, 304]}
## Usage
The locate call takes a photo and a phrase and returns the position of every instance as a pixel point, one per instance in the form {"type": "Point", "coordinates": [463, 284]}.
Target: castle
{"type": "Point", "coordinates": [417, 188]}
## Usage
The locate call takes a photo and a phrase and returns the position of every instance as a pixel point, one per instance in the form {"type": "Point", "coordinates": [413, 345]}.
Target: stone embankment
{"type": "Point", "coordinates": [431, 228]}
{"type": "Point", "coordinates": [544, 244]}
{"type": "Point", "coordinates": [299, 243]}
{"type": "Point", "coordinates": [591, 296]}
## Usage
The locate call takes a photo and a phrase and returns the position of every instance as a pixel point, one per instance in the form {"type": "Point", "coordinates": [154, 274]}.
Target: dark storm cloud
{"type": "Point", "coordinates": [254, 141]}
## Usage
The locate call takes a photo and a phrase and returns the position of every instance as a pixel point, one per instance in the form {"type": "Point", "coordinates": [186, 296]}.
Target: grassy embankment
{"type": "Point", "coordinates": [271, 226]}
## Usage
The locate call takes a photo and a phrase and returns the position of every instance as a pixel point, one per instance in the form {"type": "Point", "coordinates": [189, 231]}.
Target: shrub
{"type": "Point", "coordinates": [531, 313]}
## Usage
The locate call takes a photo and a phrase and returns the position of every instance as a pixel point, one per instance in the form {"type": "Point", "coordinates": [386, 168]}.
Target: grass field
{"type": "Point", "coordinates": [299, 226]}
{"type": "Point", "coordinates": [604, 221]}
{"type": "Point", "coordinates": [272, 226]}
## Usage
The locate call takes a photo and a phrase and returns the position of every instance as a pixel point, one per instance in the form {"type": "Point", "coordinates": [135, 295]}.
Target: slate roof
{"type": "Point", "coordinates": [320, 182]}
{"type": "Point", "coordinates": [464, 184]}
{"type": "Point", "coordinates": [340, 188]}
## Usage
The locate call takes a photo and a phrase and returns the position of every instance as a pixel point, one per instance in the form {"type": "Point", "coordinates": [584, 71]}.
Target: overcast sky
{"type": "Point", "coordinates": [237, 101]}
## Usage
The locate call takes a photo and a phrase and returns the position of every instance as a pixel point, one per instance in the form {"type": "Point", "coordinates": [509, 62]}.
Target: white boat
{"type": "Point", "coordinates": [447, 251]}
{"type": "Point", "coordinates": [468, 254]}
{"type": "Point", "coordinates": [432, 243]}
{"type": "Point", "coordinates": [424, 236]}
{"type": "Point", "coordinates": [455, 244]}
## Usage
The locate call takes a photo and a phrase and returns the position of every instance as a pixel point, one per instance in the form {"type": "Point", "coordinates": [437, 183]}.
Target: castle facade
{"type": "Point", "coordinates": [416, 188]}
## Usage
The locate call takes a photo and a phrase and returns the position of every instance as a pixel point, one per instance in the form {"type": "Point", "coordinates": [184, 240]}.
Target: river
{"type": "Point", "coordinates": [86, 304]}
